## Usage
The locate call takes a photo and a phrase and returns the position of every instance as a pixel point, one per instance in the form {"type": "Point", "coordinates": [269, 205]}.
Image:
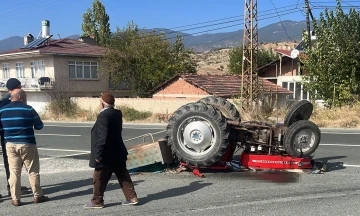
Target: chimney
{"type": "Point", "coordinates": [88, 40]}
{"type": "Point", "coordinates": [28, 39]}
{"type": "Point", "coordinates": [45, 28]}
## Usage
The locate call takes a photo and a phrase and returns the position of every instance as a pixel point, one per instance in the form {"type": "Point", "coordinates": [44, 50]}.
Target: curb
{"type": "Point", "coordinates": [164, 124]}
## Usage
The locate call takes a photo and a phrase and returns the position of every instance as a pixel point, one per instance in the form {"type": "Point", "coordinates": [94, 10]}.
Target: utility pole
{"type": "Point", "coordinates": [308, 21]}
{"type": "Point", "coordinates": [249, 79]}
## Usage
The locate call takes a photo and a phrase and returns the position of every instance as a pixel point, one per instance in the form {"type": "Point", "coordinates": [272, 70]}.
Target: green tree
{"type": "Point", "coordinates": [145, 59]}
{"type": "Point", "coordinates": [332, 64]}
{"type": "Point", "coordinates": [96, 23]}
{"type": "Point", "coordinates": [236, 59]}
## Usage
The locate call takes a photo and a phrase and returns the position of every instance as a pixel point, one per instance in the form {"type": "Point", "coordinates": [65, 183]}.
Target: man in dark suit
{"type": "Point", "coordinates": [109, 154]}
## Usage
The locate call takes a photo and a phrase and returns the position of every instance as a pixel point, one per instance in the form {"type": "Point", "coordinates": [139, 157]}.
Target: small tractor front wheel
{"type": "Point", "coordinates": [302, 138]}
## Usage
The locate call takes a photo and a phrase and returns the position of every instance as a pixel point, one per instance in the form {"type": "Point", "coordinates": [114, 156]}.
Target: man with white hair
{"type": "Point", "coordinates": [18, 121]}
{"type": "Point", "coordinates": [11, 85]}
{"type": "Point", "coordinates": [109, 154]}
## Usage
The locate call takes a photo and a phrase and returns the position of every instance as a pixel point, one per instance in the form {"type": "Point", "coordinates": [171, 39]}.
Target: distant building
{"type": "Point", "coordinates": [48, 67]}
{"type": "Point", "coordinates": [198, 86]}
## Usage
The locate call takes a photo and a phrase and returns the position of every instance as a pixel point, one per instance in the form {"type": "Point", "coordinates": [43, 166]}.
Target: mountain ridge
{"type": "Point", "coordinates": [286, 30]}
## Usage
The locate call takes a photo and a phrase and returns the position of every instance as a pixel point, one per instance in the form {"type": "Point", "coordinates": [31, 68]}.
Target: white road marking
{"type": "Point", "coordinates": [65, 135]}
{"type": "Point", "coordinates": [345, 145]}
{"type": "Point", "coordinates": [60, 156]}
{"type": "Point", "coordinates": [90, 126]}
{"type": "Point", "coordinates": [144, 128]}
{"type": "Point", "coordinates": [63, 150]}
{"type": "Point", "coordinates": [351, 165]}
{"type": "Point", "coordinates": [70, 126]}
{"type": "Point", "coordinates": [340, 133]}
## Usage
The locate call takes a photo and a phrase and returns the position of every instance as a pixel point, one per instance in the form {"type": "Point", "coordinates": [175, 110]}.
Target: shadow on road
{"type": "Point", "coordinates": [51, 189]}
{"type": "Point", "coordinates": [174, 192]}
{"type": "Point", "coordinates": [332, 166]}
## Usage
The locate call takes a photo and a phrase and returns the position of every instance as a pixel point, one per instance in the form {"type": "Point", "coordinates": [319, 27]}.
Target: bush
{"type": "Point", "coordinates": [62, 107]}
{"type": "Point", "coordinates": [131, 114]}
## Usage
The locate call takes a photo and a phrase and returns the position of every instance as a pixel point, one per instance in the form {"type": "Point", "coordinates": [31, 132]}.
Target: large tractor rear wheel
{"type": "Point", "coordinates": [198, 134]}
{"type": "Point", "coordinates": [226, 108]}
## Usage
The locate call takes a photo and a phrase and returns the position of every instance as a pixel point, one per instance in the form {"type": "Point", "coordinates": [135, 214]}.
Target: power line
{"type": "Point", "coordinates": [290, 11]}
{"type": "Point", "coordinates": [241, 16]}
{"type": "Point", "coordinates": [265, 17]}
{"type": "Point", "coordinates": [323, 2]}
{"type": "Point", "coordinates": [214, 42]}
{"type": "Point", "coordinates": [32, 7]}
{"type": "Point", "coordinates": [181, 30]}
{"type": "Point", "coordinates": [36, 9]}
{"type": "Point", "coordinates": [280, 20]}
{"type": "Point", "coordinates": [240, 24]}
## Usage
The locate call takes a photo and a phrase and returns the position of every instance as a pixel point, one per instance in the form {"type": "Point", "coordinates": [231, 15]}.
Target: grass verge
{"type": "Point", "coordinates": [342, 117]}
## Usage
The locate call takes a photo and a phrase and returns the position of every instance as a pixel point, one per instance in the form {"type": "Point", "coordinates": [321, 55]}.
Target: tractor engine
{"type": "Point", "coordinates": [257, 138]}
{"type": "Point", "coordinates": [259, 143]}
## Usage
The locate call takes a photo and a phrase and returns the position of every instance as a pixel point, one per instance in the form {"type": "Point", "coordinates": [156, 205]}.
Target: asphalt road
{"type": "Point", "coordinates": [77, 136]}
{"type": "Point", "coordinates": [67, 181]}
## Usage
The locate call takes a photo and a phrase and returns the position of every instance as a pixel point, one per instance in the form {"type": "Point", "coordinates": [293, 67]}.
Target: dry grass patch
{"type": "Point", "coordinates": [66, 110]}
{"type": "Point", "coordinates": [341, 117]}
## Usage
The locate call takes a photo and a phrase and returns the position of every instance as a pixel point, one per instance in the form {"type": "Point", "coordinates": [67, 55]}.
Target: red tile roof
{"type": "Point", "coordinates": [284, 52]}
{"type": "Point", "coordinates": [64, 47]}
{"type": "Point", "coordinates": [223, 85]}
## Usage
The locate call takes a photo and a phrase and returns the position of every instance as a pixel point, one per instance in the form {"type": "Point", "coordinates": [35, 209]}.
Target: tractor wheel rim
{"type": "Point", "coordinates": [196, 136]}
{"type": "Point", "coordinates": [304, 140]}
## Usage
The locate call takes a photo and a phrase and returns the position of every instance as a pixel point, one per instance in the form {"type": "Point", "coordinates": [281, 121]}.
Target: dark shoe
{"type": "Point", "coordinates": [90, 205]}
{"type": "Point", "coordinates": [41, 199]}
{"type": "Point", "coordinates": [15, 202]}
{"type": "Point", "coordinates": [130, 202]}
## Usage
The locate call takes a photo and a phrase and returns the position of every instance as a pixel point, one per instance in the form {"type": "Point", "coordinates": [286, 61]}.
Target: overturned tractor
{"type": "Point", "coordinates": [202, 133]}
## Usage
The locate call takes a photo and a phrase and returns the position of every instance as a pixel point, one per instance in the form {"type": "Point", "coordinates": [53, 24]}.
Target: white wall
{"type": "Point", "coordinates": [38, 100]}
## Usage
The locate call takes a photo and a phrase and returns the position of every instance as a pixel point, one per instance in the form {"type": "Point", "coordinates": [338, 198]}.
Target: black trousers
{"type": "Point", "coordinates": [6, 162]}
{"type": "Point", "coordinates": [101, 179]}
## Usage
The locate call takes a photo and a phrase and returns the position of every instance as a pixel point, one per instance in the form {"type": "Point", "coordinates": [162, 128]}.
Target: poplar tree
{"type": "Point", "coordinates": [96, 23]}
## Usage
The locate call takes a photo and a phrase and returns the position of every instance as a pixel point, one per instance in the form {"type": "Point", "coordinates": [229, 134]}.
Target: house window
{"type": "Point", "coordinates": [6, 71]}
{"type": "Point", "coordinates": [298, 90]}
{"type": "Point", "coordinates": [37, 69]}
{"type": "Point", "coordinates": [83, 70]}
{"type": "Point", "coordinates": [20, 70]}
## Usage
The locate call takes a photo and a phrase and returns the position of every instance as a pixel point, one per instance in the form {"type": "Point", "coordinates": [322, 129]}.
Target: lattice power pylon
{"type": "Point", "coordinates": [250, 84]}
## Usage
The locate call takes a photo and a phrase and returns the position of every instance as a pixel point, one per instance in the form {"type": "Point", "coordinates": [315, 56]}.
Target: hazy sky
{"type": "Point", "coordinates": [19, 17]}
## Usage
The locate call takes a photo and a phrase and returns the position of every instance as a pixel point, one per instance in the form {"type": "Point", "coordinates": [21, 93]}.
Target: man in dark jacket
{"type": "Point", "coordinates": [109, 154]}
{"type": "Point", "coordinates": [11, 85]}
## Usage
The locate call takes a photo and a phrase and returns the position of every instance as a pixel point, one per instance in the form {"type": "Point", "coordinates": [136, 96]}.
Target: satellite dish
{"type": "Point", "coordinates": [294, 53]}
